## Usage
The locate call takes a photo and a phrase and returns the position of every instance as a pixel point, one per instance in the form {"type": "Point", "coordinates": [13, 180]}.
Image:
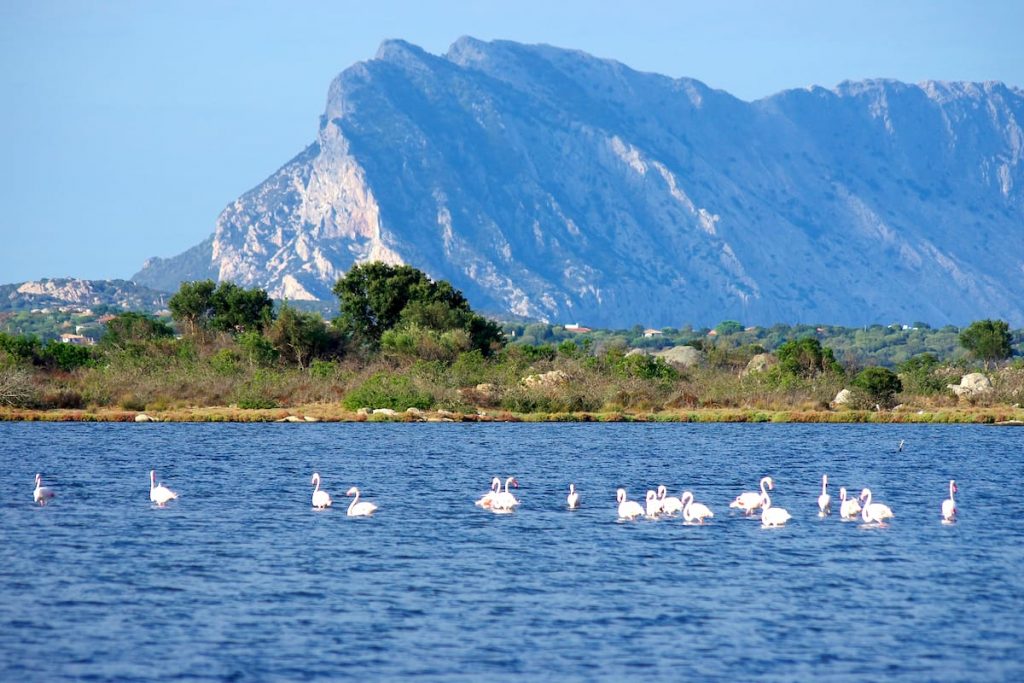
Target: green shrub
{"type": "Point", "coordinates": [323, 369]}
{"type": "Point", "coordinates": [880, 384]}
{"type": "Point", "coordinates": [225, 362]}
{"type": "Point", "coordinates": [384, 390]}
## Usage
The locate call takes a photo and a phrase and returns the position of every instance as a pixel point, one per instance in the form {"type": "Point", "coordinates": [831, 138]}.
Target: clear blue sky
{"type": "Point", "coordinates": [125, 127]}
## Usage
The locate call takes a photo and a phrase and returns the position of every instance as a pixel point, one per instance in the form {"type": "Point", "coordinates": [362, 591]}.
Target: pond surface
{"type": "Point", "coordinates": [240, 579]}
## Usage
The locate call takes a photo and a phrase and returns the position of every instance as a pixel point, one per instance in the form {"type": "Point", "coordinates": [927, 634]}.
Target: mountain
{"type": "Point", "coordinates": [549, 184]}
{"type": "Point", "coordinates": [71, 293]}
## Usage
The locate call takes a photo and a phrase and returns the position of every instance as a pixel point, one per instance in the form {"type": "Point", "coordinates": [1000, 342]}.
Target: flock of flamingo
{"type": "Point", "coordinates": [657, 502]}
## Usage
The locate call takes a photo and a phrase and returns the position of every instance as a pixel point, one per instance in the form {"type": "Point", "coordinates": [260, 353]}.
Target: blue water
{"type": "Point", "coordinates": [240, 579]}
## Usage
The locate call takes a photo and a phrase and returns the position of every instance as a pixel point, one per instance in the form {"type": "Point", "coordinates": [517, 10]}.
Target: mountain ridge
{"type": "Point", "coordinates": [553, 185]}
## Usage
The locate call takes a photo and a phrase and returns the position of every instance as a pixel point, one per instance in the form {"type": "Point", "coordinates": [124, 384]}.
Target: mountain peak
{"type": "Point", "coordinates": [555, 185]}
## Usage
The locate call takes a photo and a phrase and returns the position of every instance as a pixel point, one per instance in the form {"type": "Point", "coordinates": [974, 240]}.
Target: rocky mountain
{"type": "Point", "coordinates": [550, 184]}
{"type": "Point", "coordinates": [70, 293]}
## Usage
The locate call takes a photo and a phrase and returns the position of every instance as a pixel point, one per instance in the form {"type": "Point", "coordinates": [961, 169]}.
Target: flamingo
{"type": "Point", "coordinates": [948, 505]}
{"type": "Point", "coordinates": [485, 501]}
{"type": "Point", "coordinates": [42, 494]}
{"type": "Point", "coordinates": [159, 494]}
{"type": "Point", "coordinates": [653, 504]}
{"type": "Point", "coordinates": [849, 508]}
{"type": "Point", "coordinates": [751, 500]}
{"type": "Point", "coordinates": [695, 511]}
{"type": "Point", "coordinates": [505, 501]}
{"type": "Point", "coordinates": [669, 504]}
{"type": "Point", "coordinates": [824, 500]}
{"type": "Point", "coordinates": [628, 509]}
{"type": "Point", "coordinates": [573, 499]}
{"type": "Point", "coordinates": [321, 499]}
{"type": "Point", "coordinates": [357, 509]}
{"type": "Point", "coordinates": [773, 517]}
{"type": "Point", "coordinates": [874, 512]}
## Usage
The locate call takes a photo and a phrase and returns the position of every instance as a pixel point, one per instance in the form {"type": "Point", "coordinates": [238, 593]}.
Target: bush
{"type": "Point", "coordinates": [384, 390]}
{"type": "Point", "coordinates": [879, 384]}
{"type": "Point", "coordinates": [806, 358]}
{"type": "Point", "coordinates": [67, 357]}
{"type": "Point", "coordinates": [919, 376]}
{"type": "Point", "coordinates": [225, 362]}
{"type": "Point", "coordinates": [15, 386]}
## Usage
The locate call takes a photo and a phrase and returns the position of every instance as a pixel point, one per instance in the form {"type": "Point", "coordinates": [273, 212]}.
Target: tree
{"type": "Point", "coordinates": [728, 327]}
{"type": "Point", "coordinates": [880, 384]}
{"type": "Point", "coordinates": [987, 340]}
{"type": "Point", "coordinates": [299, 336]}
{"type": "Point", "coordinates": [806, 357]}
{"type": "Point", "coordinates": [377, 297]}
{"type": "Point", "coordinates": [134, 328]}
{"type": "Point", "coordinates": [203, 305]}
{"type": "Point", "coordinates": [192, 305]}
{"type": "Point", "coordinates": [236, 309]}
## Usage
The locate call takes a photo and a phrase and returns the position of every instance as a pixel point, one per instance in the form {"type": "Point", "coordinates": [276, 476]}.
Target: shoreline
{"type": "Point", "coordinates": [315, 413]}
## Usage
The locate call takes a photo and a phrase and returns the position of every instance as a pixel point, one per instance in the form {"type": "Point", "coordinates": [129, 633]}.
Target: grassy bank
{"type": "Point", "coordinates": [314, 413]}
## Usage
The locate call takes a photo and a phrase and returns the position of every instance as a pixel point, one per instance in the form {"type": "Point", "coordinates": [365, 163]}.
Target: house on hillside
{"type": "Point", "coordinates": [652, 333]}
{"type": "Point", "coordinates": [577, 328]}
{"type": "Point", "coordinates": [76, 339]}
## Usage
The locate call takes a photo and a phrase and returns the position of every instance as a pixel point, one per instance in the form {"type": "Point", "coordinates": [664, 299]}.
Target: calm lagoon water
{"type": "Point", "coordinates": [240, 579]}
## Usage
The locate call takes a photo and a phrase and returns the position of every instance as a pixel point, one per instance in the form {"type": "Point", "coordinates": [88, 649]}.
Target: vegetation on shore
{"type": "Point", "coordinates": [402, 341]}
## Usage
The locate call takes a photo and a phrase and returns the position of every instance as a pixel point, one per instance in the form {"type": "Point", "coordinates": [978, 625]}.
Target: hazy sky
{"type": "Point", "coordinates": [126, 127]}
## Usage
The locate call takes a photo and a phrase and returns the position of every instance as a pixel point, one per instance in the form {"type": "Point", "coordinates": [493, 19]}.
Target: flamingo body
{"type": "Point", "coordinates": [695, 512]}
{"type": "Point", "coordinates": [749, 501]}
{"type": "Point", "coordinates": [573, 499]}
{"type": "Point", "coordinates": [669, 504]}
{"type": "Point", "coordinates": [42, 494]}
{"type": "Point", "coordinates": [628, 509]}
{"type": "Point", "coordinates": [652, 505]}
{"type": "Point", "coordinates": [874, 512]}
{"type": "Point", "coordinates": [849, 508]}
{"type": "Point", "coordinates": [158, 493]}
{"type": "Point", "coordinates": [949, 505]}
{"type": "Point", "coordinates": [773, 516]}
{"type": "Point", "coordinates": [321, 499]}
{"type": "Point", "coordinates": [357, 509]}
{"type": "Point", "coordinates": [824, 500]}
{"type": "Point", "coordinates": [486, 500]}
{"type": "Point", "coordinates": [505, 501]}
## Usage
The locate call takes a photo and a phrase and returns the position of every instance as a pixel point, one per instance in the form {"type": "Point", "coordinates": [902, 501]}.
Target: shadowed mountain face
{"type": "Point", "coordinates": [550, 184]}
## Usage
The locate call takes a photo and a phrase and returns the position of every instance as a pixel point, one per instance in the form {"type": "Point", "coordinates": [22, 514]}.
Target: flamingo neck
{"type": "Point", "coordinates": [952, 490]}
{"type": "Point", "coordinates": [766, 501]}
{"type": "Point", "coordinates": [824, 486]}
{"type": "Point", "coordinates": [354, 501]}
{"type": "Point", "coordinates": [507, 482]}
{"type": "Point", "coordinates": [867, 503]}
{"type": "Point", "coordinates": [764, 483]}
{"type": "Point", "coordinates": [316, 484]}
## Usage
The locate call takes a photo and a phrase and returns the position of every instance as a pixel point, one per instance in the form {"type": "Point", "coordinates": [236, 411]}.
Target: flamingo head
{"type": "Point", "coordinates": [651, 495]}
{"type": "Point", "coordinates": [662, 491]}
{"type": "Point", "coordinates": [39, 479]}
{"type": "Point", "coordinates": [952, 485]}
{"type": "Point", "coordinates": [865, 493]}
{"type": "Point", "coordinates": [771, 483]}
{"type": "Point", "coordinates": [620, 495]}
{"type": "Point", "coordinates": [686, 496]}
{"type": "Point", "coordinates": [352, 491]}
{"type": "Point", "coordinates": [515, 483]}
{"type": "Point", "coordinates": [842, 493]}
{"type": "Point", "coordinates": [315, 479]}
{"type": "Point", "coordinates": [572, 488]}
{"type": "Point", "coordinates": [495, 484]}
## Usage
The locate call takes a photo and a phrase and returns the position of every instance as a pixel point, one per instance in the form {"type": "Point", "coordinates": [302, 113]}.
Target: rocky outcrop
{"type": "Point", "coordinates": [844, 397]}
{"type": "Point", "coordinates": [80, 294]}
{"type": "Point", "coordinates": [972, 386]}
{"type": "Point", "coordinates": [685, 356]}
{"type": "Point", "coordinates": [760, 363]}
{"type": "Point", "coordinates": [553, 185]}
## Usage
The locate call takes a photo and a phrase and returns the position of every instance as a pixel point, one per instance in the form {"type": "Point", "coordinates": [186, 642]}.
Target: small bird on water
{"type": "Point", "coordinates": [900, 447]}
